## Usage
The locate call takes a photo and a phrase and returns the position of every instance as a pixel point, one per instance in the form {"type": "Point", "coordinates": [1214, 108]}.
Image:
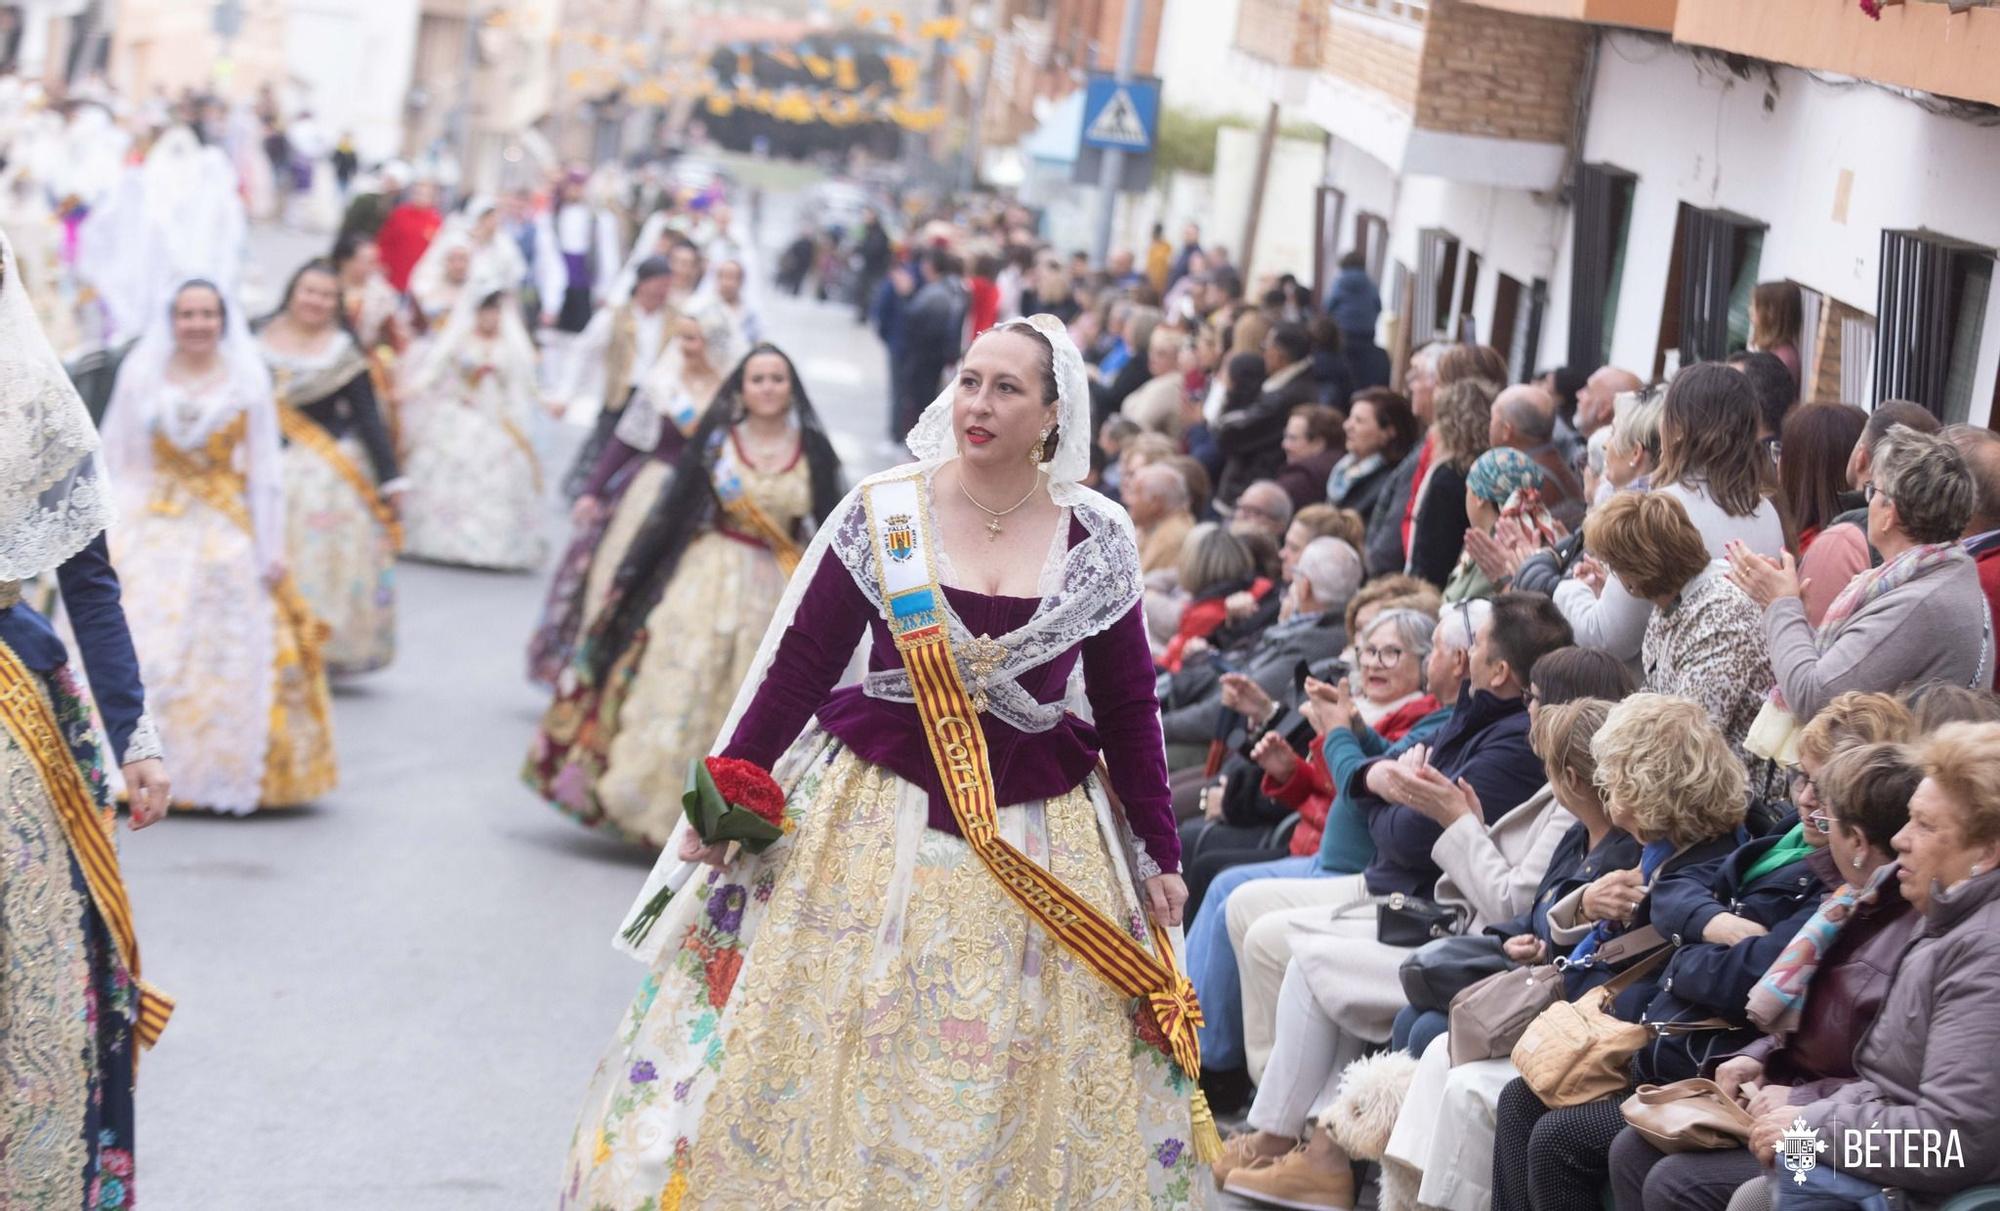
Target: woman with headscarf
{"type": "Point", "coordinates": [191, 439]}
{"type": "Point", "coordinates": [475, 483]}
{"type": "Point", "coordinates": [72, 978]}
{"type": "Point", "coordinates": [893, 1004]}
{"type": "Point", "coordinates": [704, 572]}
{"type": "Point", "coordinates": [342, 530]}
{"type": "Point", "coordinates": [1502, 488]}
{"type": "Point", "coordinates": [646, 446]}
{"type": "Point", "coordinates": [441, 276]}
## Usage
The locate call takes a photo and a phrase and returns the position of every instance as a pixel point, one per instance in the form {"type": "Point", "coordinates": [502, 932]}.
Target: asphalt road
{"type": "Point", "coordinates": [394, 998]}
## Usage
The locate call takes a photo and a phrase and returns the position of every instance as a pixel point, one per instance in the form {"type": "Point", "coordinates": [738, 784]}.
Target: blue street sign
{"type": "Point", "coordinates": [1121, 116]}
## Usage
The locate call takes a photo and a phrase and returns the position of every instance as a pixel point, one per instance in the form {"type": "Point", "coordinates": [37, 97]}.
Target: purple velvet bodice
{"type": "Point", "coordinates": [1027, 766]}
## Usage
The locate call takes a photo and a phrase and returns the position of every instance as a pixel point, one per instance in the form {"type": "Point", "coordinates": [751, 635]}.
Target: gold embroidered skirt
{"type": "Point", "coordinates": [860, 1018]}
{"type": "Point", "coordinates": [342, 558]}
{"type": "Point", "coordinates": [648, 484]}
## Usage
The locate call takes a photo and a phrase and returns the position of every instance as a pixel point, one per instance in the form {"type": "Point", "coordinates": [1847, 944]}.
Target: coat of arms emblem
{"type": "Point", "coordinates": [1799, 1148]}
{"type": "Point", "coordinates": [901, 537]}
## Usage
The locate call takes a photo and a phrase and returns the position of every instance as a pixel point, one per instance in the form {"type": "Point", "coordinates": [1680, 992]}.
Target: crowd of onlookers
{"type": "Point", "coordinates": [1653, 723]}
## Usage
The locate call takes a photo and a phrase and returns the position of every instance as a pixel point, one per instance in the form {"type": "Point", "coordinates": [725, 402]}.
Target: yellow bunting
{"type": "Point", "coordinates": [897, 23]}
{"type": "Point", "coordinates": [844, 75]}
{"type": "Point", "coordinates": [962, 68]}
{"type": "Point", "coordinates": [720, 106]}
{"type": "Point", "coordinates": [902, 71]}
{"type": "Point", "coordinates": [817, 66]}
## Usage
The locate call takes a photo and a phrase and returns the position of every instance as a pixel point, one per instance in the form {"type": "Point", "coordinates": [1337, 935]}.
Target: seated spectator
{"type": "Point", "coordinates": [1504, 484]}
{"type": "Point", "coordinates": [1346, 849]}
{"type": "Point", "coordinates": [1927, 1063]}
{"type": "Point", "coordinates": [1524, 418]}
{"type": "Point", "coordinates": [1709, 462]}
{"type": "Point", "coordinates": [1777, 391]}
{"type": "Point", "coordinates": [1596, 403]}
{"type": "Point", "coordinates": [1262, 508]}
{"type": "Point", "coordinates": [1494, 875]}
{"type": "Point", "coordinates": [1251, 439]}
{"type": "Point", "coordinates": [1137, 337]}
{"type": "Point", "coordinates": [1633, 452]}
{"type": "Point", "coordinates": [1157, 499]}
{"type": "Point", "coordinates": [1308, 628]}
{"type": "Point", "coordinates": [1669, 782]}
{"type": "Point", "coordinates": [1388, 521]}
{"type": "Point", "coordinates": [1812, 465]}
{"type": "Point", "coordinates": [1817, 999]}
{"type": "Point", "coordinates": [1840, 551]}
{"type": "Point", "coordinates": [1981, 448]}
{"type": "Point", "coordinates": [1935, 703]}
{"type": "Point", "coordinates": [1437, 534]}
{"type": "Point", "coordinates": [1485, 743]}
{"type": "Point", "coordinates": [1156, 405]}
{"type": "Point", "coordinates": [1726, 922]}
{"type": "Point", "coordinates": [1905, 621]}
{"type": "Point", "coordinates": [1214, 564]}
{"type": "Point", "coordinates": [1332, 381]}
{"type": "Point", "coordinates": [1312, 445]}
{"type": "Point", "coordinates": [1112, 437]}
{"type": "Point", "coordinates": [1379, 431]}
{"type": "Point", "coordinates": [1236, 387]}
{"type": "Point", "coordinates": [1705, 640]}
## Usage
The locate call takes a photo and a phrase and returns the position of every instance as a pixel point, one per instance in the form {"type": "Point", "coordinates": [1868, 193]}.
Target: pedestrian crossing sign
{"type": "Point", "coordinates": [1121, 114]}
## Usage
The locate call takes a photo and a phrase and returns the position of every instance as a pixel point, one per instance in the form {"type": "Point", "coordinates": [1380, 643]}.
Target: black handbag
{"type": "Point", "coordinates": [1405, 920]}
{"type": "Point", "coordinates": [1439, 970]}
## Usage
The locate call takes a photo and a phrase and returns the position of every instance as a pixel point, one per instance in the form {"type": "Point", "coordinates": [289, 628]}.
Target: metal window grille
{"type": "Point", "coordinates": [1436, 285]}
{"type": "Point", "coordinates": [1411, 11]}
{"type": "Point", "coordinates": [1929, 306]}
{"type": "Point", "coordinates": [1597, 259]}
{"type": "Point", "coordinates": [1719, 254]}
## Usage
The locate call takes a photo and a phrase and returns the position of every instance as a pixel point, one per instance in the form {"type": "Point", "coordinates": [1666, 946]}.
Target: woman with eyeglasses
{"type": "Point", "coordinates": [1817, 999]}
{"type": "Point", "coordinates": [1921, 616]}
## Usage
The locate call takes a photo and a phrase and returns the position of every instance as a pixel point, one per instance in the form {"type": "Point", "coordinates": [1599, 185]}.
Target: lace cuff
{"type": "Point", "coordinates": [144, 743]}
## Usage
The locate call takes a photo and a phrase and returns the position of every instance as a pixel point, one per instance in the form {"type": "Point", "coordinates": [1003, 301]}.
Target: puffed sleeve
{"type": "Point", "coordinates": [1118, 678]}
{"type": "Point", "coordinates": [822, 636]}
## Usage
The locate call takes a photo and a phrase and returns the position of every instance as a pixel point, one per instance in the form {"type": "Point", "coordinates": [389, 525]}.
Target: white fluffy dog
{"type": "Point", "coordinates": [1363, 1114]}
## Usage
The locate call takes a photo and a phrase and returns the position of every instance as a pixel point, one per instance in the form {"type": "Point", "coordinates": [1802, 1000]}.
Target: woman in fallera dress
{"type": "Point", "coordinates": [475, 495]}
{"type": "Point", "coordinates": [71, 980]}
{"type": "Point", "coordinates": [228, 644]}
{"type": "Point", "coordinates": [689, 603]}
{"type": "Point", "coordinates": [865, 1015]}
{"type": "Point", "coordinates": [341, 482]}
{"type": "Point", "coordinates": [631, 473]}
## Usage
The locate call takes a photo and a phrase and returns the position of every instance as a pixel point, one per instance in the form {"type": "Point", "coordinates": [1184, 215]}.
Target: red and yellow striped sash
{"type": "Point", "coordinates": [26, 714]}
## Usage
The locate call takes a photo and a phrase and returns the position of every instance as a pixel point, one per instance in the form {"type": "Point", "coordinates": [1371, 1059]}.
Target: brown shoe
{"type": "Point", "coordinates": [1238, 1152]}
{"type": "Point", "coordinates": [1315, 1177]}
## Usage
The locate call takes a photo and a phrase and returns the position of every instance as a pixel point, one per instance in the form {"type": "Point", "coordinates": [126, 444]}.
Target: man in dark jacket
{"type": "Point", "coordinates": [1252, 439]}
{"type": "Point", "coordinates": [875, 251]}
{"type": "Point", "coordinates": [933, 326]}
{"type": "Point", "coordinates": [1485, 745]}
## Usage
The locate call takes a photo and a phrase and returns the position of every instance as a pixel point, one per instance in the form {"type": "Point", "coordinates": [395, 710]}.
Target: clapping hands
{"type": "Point", "coordinates": [1763, 578]}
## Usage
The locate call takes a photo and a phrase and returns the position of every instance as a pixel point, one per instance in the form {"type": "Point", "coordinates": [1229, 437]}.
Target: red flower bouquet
{"type": "Point", "coordinates": [725, 800]}
{"type": "Point", "coordinates": [731, 800]}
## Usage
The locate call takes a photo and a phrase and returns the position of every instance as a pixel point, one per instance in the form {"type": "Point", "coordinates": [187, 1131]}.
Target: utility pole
{"type": "Point", "coordinates": [1112, 168]}
{"type": "Point", "coordinates": [1265, 141]}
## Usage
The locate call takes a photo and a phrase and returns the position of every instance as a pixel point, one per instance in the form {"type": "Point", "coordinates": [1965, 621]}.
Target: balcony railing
{"type": "Point", "coordinates": [1923, 45]}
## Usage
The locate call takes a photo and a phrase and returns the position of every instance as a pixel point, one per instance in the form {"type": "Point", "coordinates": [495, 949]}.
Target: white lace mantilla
{"type": "Point", "coordinates": [1097, 584]}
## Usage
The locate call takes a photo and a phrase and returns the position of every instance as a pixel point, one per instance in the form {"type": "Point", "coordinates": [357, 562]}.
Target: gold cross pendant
{"type": "Point", "coordinates": [992, 528]}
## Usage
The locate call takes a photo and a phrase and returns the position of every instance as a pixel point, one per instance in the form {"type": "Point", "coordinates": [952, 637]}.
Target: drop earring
{"type": "Point", "coordinates": [1035, 452]}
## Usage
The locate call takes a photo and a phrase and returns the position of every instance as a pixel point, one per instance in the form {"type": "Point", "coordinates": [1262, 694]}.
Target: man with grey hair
{"type": "Point", "coordinates": [1524, 417]}
{"type": "Point", "coordinates": [1981, 448]}
{"type": "Point", "coordinates": [1600, 391]}
{"type": "Point", "coordinates": [1157, 499]}
{"type": "Point", "coordinates": [1159, 406]}
{"type": "Point", "coordinates": [1263, 508]}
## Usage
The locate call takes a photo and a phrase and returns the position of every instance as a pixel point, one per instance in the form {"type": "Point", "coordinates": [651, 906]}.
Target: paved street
{"type": "Point", "coordinates": [394, 999]}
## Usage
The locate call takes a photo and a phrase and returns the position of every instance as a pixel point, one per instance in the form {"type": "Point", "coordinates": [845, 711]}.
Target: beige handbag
{"type": "Point", "coordinates": [1489, 1015]}
{"type": "Point", "coordinates": [1576, 1051]}
{"type": "Point", "coordinates": [1688, 1116]}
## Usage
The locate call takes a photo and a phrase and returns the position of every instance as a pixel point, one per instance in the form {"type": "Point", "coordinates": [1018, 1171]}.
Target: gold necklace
{"type": "Point", "coordinates": [993, 516]}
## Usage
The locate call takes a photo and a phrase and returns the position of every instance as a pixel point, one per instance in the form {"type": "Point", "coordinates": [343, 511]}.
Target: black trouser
{"type": "Point", "coordinates": [1551, 1160]}
{"type": "Point", "coordinates": [1645, 1179]}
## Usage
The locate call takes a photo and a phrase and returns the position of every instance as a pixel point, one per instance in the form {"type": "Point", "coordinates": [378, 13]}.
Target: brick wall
{"type": "Point", "coordinates": [1285, 32]}
{"type": "Point", "coordinates": [1500, 75]}
{"type": "Point", "coordinates": [1354, 53]}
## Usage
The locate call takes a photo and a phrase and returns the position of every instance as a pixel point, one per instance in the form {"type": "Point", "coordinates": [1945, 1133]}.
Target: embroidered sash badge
{"type": "Point", "coordinates": [901, 538]}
